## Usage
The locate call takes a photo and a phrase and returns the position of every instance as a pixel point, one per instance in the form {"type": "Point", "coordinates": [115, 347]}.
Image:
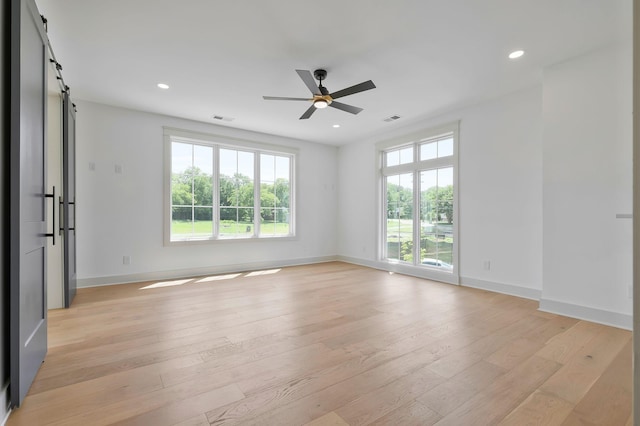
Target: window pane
{"type": "Point", "coordinates": [236, 190]}
{"type": "Point", "coordinates": [191, 191]}
{"type": "Point", "coordinates": [428, 151]}
{"type": "Point", "coordinates": [245, 164]}
{"type": "Point", "coordinates": [392, 158]}
{"type": "Point", "coordinates": [203, 222]}
{"type": "Point", "coordinates": [406, 155]}
{"type": "Point", "coordinates": [181, 222]}
{"type": "Point", "coordinates": [400, 217]}
{"type": "Point", "coordinates": [267, 169]}
{"type": "Point", "coordinates": [181, 194]}
{"type": "Point", "coordinates": [274, 195]}
{"type": "Point", "coordinates": [436, 230]}
{"type": "Point", "coordinates": [399, 156]}
{"type": "Point", "coordinates": [236, 222]}
{"type": "Point", "coordinates": [228, 162]}
{"type": "Point", "coordinates": [181, 157]}
{"type": "Point", "coordinates": [445, 147]}
{"type": "Point", "coordinates": [202, 189]}
{"type": "Point", "coordinates": [203, 159]}
{"type": "Point", "coordinates": [227, 214]}
{"type": "Point", "coordinates": [282, 168]}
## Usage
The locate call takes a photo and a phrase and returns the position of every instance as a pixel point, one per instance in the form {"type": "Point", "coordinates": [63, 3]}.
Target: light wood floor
{"type": "Point", "coordinates": [327, 344]}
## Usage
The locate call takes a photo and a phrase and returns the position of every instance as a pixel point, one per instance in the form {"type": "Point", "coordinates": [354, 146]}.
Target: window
{"type": "Point", "coordinates": [419, 200]}
{"type": "Point", "coordinates": [220, 190]}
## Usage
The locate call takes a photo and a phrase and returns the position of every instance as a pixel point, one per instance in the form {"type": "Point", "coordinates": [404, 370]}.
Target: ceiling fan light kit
{"type": "Point", "coordinates": [320, 103]}
{"type": "Point", "coordinates": [321, 96]}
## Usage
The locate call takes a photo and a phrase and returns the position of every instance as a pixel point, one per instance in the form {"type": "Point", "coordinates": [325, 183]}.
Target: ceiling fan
{"type": "Point", "coordinates": [321, 96]}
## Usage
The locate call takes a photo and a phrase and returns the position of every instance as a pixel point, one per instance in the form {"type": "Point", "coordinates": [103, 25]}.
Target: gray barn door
{"type": "Point", "coordinates": [69, 200]}
{"type": "Point", "coordinates": [28, 204]}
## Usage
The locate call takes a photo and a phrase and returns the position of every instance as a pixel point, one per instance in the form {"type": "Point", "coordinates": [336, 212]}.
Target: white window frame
{"type": "Point", "coordinates": [415, 167]}
{"type": "Point", "coordinates": [217, 142]}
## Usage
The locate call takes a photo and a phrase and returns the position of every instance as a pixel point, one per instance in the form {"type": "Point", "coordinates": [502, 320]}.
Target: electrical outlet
{"type": "Point", "coordinates": [92, 166]}
{"type": "Point", "coordinates": [126, 260]}
{"type": "Point", "coordinates": [118, 168]}
{"type": "Point", "coordinates": [486, 265]}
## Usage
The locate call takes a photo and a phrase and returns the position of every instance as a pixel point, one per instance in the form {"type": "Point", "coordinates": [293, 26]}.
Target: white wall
{"type": "Point", "coordinates": [543, 173]}
{"type": "Point", "coordinates": [500, 194]}
{"type": "Point", "coordinates": [587, 115]}
{"type": "Point", "coordinates": [122, 214]}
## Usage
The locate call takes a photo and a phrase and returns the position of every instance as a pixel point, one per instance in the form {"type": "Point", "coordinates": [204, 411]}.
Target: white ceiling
{"type": "Point", "coordinates": [219, 57]}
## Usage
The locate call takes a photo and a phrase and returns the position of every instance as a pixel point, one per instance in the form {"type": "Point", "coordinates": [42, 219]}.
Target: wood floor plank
{"type": "Point", "coordinates": [412, 414]}
{"type": "Point", "coordinates": [564, 346]}
{"type": "Point", "coordinates": [451, 394]}
{"type": "Point", "coordinates": [329, 343]}
{"type": "Point", "coordinates": [379, 402]}
{"type": "Point", "coordinates": [539, 409]}
{"type": "Point", "coordinates": [577, 376]}
{"type": "Point", "coordinates": [329, 419]}
{"type": "Point", "coordinates": [609, 400]}
{"type": "Point", "coordinates": [184, 409]}
{"type": "Point", "coordinates": [199, 420]}
{"type": "Point", "coordinates": [494, 403]}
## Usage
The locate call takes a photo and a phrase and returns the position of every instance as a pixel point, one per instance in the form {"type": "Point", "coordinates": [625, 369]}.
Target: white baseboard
{"type": "Point", "coordinates": [410, 270]}
{"type": "Point", "coordinates": [601, 316]}
{"type": "Point", "coordinates": [513, 290]}
{"type": "Point", "coordinates": [5, 406]}
{"type": "Point", "coordinates": [196, 272]}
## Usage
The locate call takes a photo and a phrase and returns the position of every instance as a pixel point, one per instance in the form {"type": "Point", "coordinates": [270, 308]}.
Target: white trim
{"type": "Point", "coordinates": [495, 287]}
{"type": "Point", "coordinates": [601, 316]}
{"type": "Point", "coordinates": [196, 272]}
{"type": "Point", "coordinates": [5, 407]}
{"type": "Point", "coordinates": [210, 138]}
{"type": "Point", "coordinates": [431, 132]}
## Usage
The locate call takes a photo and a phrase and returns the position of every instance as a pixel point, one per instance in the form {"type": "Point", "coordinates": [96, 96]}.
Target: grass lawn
{"type": "Point", "coordinates": [204, 228]}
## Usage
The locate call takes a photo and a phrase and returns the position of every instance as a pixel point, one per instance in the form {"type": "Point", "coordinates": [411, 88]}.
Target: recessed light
{"type": "Point", "coordinates": [163, 86]}
{"type": "Point", "coordinates": [335, 126]}
{"type": "Point", "coordinates": [516, 54]}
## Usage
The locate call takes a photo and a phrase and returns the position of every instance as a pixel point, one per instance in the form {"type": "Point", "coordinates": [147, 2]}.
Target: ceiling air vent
{"type": "Point", "coordinates": [221, 118]}
{"type": "Point", "coordinates": [392, 118]}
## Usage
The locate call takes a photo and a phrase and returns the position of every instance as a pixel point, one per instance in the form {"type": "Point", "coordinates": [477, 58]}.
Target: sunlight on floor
{"type": "Point", "coordinates": [218, 278]}
{"type": "Point", "coordinates": [174, 283]}
{"type": "Point", "coordinates": [166, 284]}
{"type": "Point", "coordinates": [266, 272]}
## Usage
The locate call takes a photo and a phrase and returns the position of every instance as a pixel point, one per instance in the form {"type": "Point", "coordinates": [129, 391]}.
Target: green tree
{"type": "Point", "coordinates": [439, 204]}
{"type": "Point", "coordinates": [236, 191]}
{"type": "Point", "coordinates": [399, 202]}
{"type": "Point", "coordinates": [193, 187]}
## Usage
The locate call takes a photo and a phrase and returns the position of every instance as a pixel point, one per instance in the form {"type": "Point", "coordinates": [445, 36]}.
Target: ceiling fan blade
{"type": "Point", "coordinates": [308, 112]}
{"type": "Point", "coordinates": [280, 98]}
{"type": "Point", "coordinates": [309, 81]}
{"type": "Point", "coordinates": [367, 85]}
{"type": "Point", "coordinates": [345, 107]}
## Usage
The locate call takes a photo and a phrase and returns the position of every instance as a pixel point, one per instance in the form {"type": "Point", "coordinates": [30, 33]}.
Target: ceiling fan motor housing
{"type": "Point", "coordinates": [320, 74]}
